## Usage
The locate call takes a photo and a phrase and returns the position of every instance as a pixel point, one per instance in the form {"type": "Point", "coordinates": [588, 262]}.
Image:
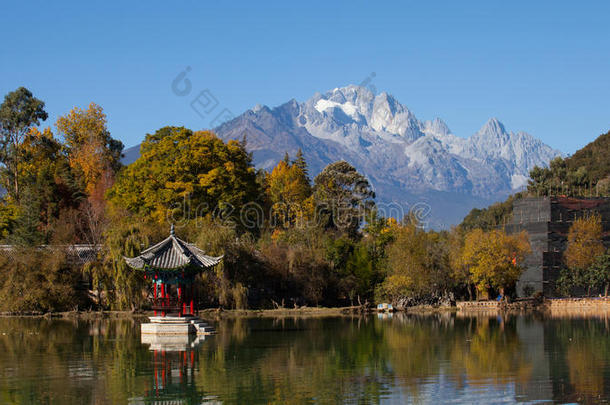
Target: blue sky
{"type": "Point", "coordinates": [541, 67]}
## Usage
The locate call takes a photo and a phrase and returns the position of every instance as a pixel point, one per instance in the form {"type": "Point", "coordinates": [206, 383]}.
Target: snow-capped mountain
{"type": "Point", "coordinates": [408, 161]}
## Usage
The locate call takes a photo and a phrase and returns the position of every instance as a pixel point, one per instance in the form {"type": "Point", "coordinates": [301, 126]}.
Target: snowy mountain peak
{"type": "Point", "coordinates": [401, 155]}
{"type": "Point", "coordinates": [436, 127]}
{"type": "Point", "coordinates": [493, 128]}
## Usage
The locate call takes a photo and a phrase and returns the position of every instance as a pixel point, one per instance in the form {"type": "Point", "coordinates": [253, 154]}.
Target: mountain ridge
{"type": "Point", "coordinates": [406, 160]}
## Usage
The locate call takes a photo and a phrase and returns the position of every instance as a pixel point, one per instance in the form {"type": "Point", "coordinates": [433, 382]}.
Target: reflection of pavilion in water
{"type": "Point", "coordinates": [175, 359]}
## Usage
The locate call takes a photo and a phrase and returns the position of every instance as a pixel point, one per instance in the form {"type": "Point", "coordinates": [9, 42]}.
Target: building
{"type": "Point", "coordinates": [171, 266]}
{"type": "Point", "coordinates": [547, 220]}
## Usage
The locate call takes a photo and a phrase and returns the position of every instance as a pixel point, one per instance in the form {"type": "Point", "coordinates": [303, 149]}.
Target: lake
{"type": "Point", "coordinates": [374, 359]}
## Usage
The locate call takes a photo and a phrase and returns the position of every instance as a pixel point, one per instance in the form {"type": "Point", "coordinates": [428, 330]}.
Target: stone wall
{"type": "Point", "coordinates": [547, 221]}
{"type": "Point", "coordinates": [571, 307]}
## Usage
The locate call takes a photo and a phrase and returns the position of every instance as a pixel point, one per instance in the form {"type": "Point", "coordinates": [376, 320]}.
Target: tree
{"type": "Point", "coordinates": [600, 272]}
{"type": "Point", "coordinates": [300, 162]}
{"type": "Point", "coordinates": [288, 188]}
{"type": "Point", "coordinates": [183, 175]}
{"type": "Point", "coordinates": [93, 153]}
{"type": "Point", "coordinates": [460, 272]}
{"type": "Point", "coordinates": [378, 236]}
{"type": "Point", "coordinates": [584, 246]}
{"type": "Point", "coordinates": [584, 242]}
{"type": "Point", "coordinates": [344, 197]}
{"type": "Point", "coordinates": [47, 189]}
{"type": "Point", "coordinates": [418, 263]}
{"type": "Point", "coordinates": [39, 279]}
{"type": "Point", "coordinates": [18, 113]}
{"type": "Point", "coordinates": [124, 238]}
{"type": "Point", "coordinates": [493, 258]}
{"type": "Point", "coordinates": [577, 175]}
{"type": "Point", "coordinates": [489, 218]}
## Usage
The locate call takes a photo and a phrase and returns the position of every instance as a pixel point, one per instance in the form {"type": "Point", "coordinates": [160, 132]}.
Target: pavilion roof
{"type": "Point", "coordinates": [170, 254]}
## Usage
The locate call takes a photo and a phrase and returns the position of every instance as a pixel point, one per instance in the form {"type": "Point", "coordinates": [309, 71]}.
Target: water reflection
{"type": "Point", "coordinates": [175, 360]}
{"type": "Point", "coordinates": [402, 359]}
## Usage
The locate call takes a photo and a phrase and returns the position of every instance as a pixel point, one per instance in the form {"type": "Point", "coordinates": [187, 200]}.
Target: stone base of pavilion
{"type": "Point", "coordinates": [172, 343]}
{"type": "Point", "coordinates": [176, 325]}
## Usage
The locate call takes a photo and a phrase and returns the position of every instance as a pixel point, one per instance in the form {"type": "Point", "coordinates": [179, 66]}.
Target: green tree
{"type": "Point", "coordinates": [343, 197]}
{"type": "Point", "coordinates": [301, 163]}
{"type": "Point", "coordinates": [577, 175]}
{"type": "Point", "coordinates": [48, 189]}
{"type": "Point", "coordinates": [18, 113]}
{"type": "Point", "coordinates": [489, 218]}
{"type": "Point", "coordinates": [600, 272]}
{"type": "Point", "coordinates": [126, 237]}
{"type": "Point", "coordinates": [378, 235]}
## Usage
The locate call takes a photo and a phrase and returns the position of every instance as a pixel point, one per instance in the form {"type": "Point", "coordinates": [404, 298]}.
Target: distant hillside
{"type": "Point", "coordinates": [586, 173]}
{"type": "Point", "coordinates": [594, 157]}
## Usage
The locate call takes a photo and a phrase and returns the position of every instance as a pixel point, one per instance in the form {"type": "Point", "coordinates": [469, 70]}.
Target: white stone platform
{"type": "Point", "coordinates": [176, 325]}
{"type": "Point", "coordinates": [172, 343]}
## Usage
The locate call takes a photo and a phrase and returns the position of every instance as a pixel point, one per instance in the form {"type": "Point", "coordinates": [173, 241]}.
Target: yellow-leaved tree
{"type": "Point", "coordinates": [417, 263]}
{"type": "Point", "coordinates": [493, 258]}
{"type": "Point", "coordinates": [93, 153]}
{"type": "Point", "coordinates": [183, 175]}
{"type": "Point", "coordinates": [584, 243]}
{"type": "Point", "coordinates": [289, 190]}
{"type": "Point", "coordinates": [585, 247]}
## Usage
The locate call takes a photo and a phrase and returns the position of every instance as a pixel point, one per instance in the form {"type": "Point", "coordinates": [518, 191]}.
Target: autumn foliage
{"type": "Point", "coordinates": [92, 152]}
{"type": "Point", "coordinates": [494, 258]}
{"type": "Point", "coordinates": [287, 239]}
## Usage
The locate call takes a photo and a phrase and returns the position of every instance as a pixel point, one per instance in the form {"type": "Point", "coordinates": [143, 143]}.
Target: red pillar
{"type": "Point", "coordinates": [166, 295]}
{"type": "Point", "coordinates": [156, 373]}
{"type": "Point", "coordinates": [162, 298]}
{"type": "Point", "coordinates": [192, 299]}
{"type": "Point", "coordinates": [180, 300]}
{"type": "Point", "coordinates": [155, 297]}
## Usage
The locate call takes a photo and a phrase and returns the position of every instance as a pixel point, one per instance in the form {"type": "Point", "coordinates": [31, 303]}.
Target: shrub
{"type": "Point", "coordinates": [39, 280]}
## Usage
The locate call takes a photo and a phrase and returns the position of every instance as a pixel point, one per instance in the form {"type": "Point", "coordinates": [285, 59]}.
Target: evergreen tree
{"type": "Point", "coordinates": [343, 196]}
{"type": "Point", "coordinates": [18, 113]}
{"type": "Point", "coordinates": [300, 162]}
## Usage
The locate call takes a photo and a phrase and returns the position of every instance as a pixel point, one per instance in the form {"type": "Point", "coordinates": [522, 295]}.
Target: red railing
{"type": "Point", "coordinates": [167, 304]}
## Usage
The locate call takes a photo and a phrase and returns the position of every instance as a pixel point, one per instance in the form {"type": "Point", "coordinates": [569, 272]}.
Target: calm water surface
{"type": "Point", "coordinates": [405, 359]}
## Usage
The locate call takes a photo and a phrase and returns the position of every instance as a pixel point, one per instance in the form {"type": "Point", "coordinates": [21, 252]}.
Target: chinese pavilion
{"type": "Point", "coordinates": [171, 265]}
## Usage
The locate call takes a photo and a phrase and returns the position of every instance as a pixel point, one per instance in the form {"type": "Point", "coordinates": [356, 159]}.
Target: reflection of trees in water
{"type": "Point", "coordinates": [360, 359]}
{"type": "Point", "coordinates": [490, 350]}
{"type": "Point", "coordinates": [285, 360]}
{"type": "Point", "coordinates": [579, 351]}
{"type": "Point", "coordinates": [476, 350]}
{"type": "Point", "coordinates": [329, 360]}
{"type": "Point", "coordinates": [414, 346]}
{"type": "Point", "coordinates": [67, 361]}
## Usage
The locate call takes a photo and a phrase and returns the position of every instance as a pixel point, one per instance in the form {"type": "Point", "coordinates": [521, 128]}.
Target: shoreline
{"type": "Point", "coordinates": [548, 306]}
